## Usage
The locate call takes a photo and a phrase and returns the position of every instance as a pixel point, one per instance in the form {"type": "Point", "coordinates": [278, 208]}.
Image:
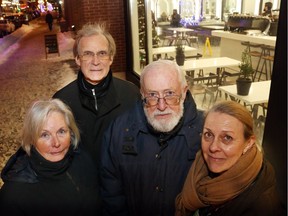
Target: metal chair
{"type": "Point", "coordinates": [206, 85]}
{"type": "Point", "coordinates": [267, 58]}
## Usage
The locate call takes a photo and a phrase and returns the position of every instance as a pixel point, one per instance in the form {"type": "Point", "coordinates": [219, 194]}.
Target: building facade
{"type": "Point", "coordinates": [79, 12]}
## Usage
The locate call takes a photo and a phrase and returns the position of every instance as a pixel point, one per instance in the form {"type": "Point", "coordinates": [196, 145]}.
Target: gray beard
{"type": "Point", "coordinates": [164, 125]}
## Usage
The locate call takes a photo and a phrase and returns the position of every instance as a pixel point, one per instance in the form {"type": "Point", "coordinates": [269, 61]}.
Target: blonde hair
{"type": "Point", "coordinates": [239, 112]}
{"type": "Point", "coordinates": [37, 116]}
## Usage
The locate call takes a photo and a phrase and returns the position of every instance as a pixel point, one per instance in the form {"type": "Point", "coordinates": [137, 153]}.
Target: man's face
{"type": "Point", "coordinates": [94, 68]}
{"type": "Point", "coordinates": [157, 84]}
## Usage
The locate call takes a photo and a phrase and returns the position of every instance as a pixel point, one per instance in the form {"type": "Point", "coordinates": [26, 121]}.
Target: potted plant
{"type": "Point", "coordinates": [246, 71]}
{"type": "Point", "coordinates": [180, 56]}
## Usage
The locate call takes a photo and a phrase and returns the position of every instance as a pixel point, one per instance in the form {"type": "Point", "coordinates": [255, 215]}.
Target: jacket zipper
{"type": "Point", "coordinates": [95, 99]}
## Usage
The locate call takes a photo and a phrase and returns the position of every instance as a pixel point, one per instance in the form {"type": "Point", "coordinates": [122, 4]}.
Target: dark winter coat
{"type": "Point", "coordinates": [119, 96]}
{"type": "Point", "coordinates": [260, 198]}
{"type": "Point", "coordinates": [35, 186]}
{"type": "Point", "coordinates": [141, 172]}
{"type": "Point", "coordinates": [49, 18]}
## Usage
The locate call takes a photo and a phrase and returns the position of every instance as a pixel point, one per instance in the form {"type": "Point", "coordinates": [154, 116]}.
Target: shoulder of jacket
{"type": "Point", "coordinates": [125, 83]}
{"type": "Point", "coordinates": [18, 169]}
{"type": "Point", "coordinates": [66, 90]}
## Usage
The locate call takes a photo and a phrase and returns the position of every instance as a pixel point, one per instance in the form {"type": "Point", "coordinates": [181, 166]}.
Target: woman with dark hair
{"type": "Point", "coordinates": [267, 9]}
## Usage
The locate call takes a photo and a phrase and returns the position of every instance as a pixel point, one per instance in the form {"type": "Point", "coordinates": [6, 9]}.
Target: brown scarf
{"type": "Point", "coordinates": [200, 190]}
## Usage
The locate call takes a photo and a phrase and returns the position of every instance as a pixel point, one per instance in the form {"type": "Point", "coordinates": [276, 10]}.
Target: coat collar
{"type": "Point", "coordinates": [108, 101]}
{"type": "Point", "coordinates": [192, 126]}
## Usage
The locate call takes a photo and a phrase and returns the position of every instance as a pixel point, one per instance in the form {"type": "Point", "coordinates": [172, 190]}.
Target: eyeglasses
{"type": "Point", "coordinates": [89, 56]}
{"type": "Point", "coordinates": [169, 100]}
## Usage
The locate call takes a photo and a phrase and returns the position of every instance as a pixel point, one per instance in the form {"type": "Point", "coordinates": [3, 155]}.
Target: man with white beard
{"type": "Point", "coordinates": [147, 151]}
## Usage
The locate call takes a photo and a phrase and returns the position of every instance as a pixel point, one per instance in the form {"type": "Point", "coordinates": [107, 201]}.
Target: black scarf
{"type": "Point", "coordinates": [45, 169]}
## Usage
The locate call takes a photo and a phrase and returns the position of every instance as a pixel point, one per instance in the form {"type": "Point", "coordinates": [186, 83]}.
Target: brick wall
{"type": "Point", "coordinates": [79, 12]}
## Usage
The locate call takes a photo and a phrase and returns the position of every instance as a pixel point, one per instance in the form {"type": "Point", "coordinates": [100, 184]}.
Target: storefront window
{"type": "Point", "coordinates": [206, 28]}
{"type": "Point", "coordinates": [151, 17]}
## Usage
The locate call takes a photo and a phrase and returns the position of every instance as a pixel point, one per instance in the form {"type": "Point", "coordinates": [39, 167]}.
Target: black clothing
{"type": "Point", "coordinates": [175, 20]}
{"type": "Point", "coordinates": [49, 20]}
{"type": "Point", "coordinates": [142, 170]}
{"type": "Point", "coordinates": [260, 198]}
{"type": "Point", "coordinates": [35, 186]}
{"type": "Point", "coordinates": [95, 106]}
{"type": "Point", "coordinates": [112, 96]}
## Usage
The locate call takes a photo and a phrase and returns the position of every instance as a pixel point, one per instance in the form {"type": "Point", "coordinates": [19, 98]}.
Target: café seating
{"type": "Point", "coordinates": [253, 51]}
{"type": "Point", "coordinates": [167, 40]}
{"type": "Point", "coordinates": [212, 91]}
{"type": "Point", "coordinates": [193, 40]}
{"type": "Point", "coordinates": [195, 88]}
{"type": "Point", "coordinates": [205, 85]}
{"type": "Point", "coordinates": [267, 59]}
{"type": "Point", "coordinates": [227, 78]}
{"type": "Point", "coordinates": [201, 71]}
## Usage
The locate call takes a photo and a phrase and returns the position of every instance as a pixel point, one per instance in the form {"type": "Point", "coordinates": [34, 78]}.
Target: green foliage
{"type": "Point", "coordinates": [245, 66]}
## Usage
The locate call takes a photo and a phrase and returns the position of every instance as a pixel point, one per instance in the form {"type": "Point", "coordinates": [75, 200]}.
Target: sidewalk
{"type": "Point", "coordinates": [26, 75]}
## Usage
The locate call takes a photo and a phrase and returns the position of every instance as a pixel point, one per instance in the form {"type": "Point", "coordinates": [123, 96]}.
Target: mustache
{"type": "Point", "coordinates": [165, 112]}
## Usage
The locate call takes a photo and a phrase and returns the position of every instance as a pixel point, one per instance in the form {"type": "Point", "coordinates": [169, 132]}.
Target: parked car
{"type": "Point", "coordinates": [24, 19]}
{"type": "Point", "coordinates": [15, 19]}
{"type": "Point", "coordinates": [6, 27]}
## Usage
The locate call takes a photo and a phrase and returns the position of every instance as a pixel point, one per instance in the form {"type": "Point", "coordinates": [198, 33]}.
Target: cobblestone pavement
{"type": "Point", "coordinates": [26, 75]}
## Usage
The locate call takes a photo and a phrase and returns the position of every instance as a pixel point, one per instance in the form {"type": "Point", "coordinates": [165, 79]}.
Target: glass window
{"type": "Point", "coordinates": [199, 28]}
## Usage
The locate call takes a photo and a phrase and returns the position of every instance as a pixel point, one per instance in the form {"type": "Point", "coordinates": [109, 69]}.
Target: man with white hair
{"type": "Point", "coordinates": [148, 150]}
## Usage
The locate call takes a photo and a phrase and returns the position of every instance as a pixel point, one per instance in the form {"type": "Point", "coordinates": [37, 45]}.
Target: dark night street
{"type": "Point", "coordinates": [26, 75]}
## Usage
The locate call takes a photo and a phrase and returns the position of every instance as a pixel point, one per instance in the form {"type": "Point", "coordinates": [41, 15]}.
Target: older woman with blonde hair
{"type": "Point", "coordinates": [49, 174]}
{"type": "Point", "coordinates": [230, 176]}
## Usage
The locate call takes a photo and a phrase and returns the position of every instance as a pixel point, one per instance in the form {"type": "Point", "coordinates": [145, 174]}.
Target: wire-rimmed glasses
{"type": "Point", "coordinates": [89, 56]}
{"type": "Point", "coordinates": [169, 100]}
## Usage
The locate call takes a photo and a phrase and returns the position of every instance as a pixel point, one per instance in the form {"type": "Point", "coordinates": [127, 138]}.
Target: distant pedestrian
{"type": "Point", "coordinates": [49, 20]}
{"type": "Point", "coordinates": [175, 19]}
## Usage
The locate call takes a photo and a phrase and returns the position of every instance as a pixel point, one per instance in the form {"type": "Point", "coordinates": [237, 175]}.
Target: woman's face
{"type": "Point", "coordinates": [223, 141]}
{"type": "Point", "coordinates": [54, 140]}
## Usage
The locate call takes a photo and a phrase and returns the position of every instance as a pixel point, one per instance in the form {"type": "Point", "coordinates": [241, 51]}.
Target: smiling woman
{"type": "Point", "coordinates": [50, 164]}
{"type": "Point", "coordinates": [229, 175]}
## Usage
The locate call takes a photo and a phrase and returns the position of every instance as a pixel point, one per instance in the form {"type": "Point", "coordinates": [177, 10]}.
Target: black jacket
{"type": "Point", "coordinates": [117, 97]}
{"type": "Point", "coordinates": [49, 18]}
{"type": "Point", "coordinates": [260, 198]}
{"type": "Point", "coordinates": [142, 172]}
{"type": "Point", "coordinates": [35, 186]}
